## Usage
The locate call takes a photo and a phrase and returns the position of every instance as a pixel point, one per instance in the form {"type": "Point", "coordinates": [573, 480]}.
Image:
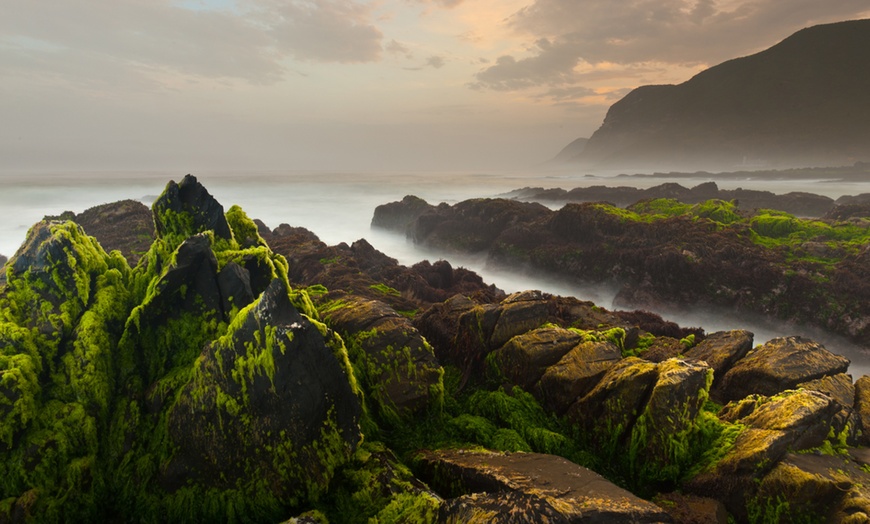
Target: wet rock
{"type": "Point", "coordinates": [690, 509]}
{"type": "Point", "coordinates": [780, 364]}
{"type": "Point", "coordinates": [398, 368]}
{"type": "Point", "coordinates": [862, 407]}
{"type": "Point", "coordinates": [525, 358]}
{"type": "Point", "coordinates": [575, 374]}
{"type": "Point", "coordinates": [721, 350]}
{"type": "Point", "coordinates": [234, 283]}
{"type": "Point", "coordinates": [663, 348]}
{"type": "Point", "coordinates": [792, 420]}
{"type": "Point", "coordinates": [841, 389]}
{"type": "Point", "coordinates": [534, 487]}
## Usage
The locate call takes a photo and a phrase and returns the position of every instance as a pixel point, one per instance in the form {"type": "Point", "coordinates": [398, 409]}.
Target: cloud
{"type": "Point", "coordinates": [436, 61]}
{"type": "Point", "coordinates": [572, 37]}
{"type": "Point", "coordinates": [449, 4]}
{"type": "Point", "coordinates": [141, 40]}
{"type": "Point", "coordinates": [398, 48]}
{"type": "Point", "coordinates": [325, 30]}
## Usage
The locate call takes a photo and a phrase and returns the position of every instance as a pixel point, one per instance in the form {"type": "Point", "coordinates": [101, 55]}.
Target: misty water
{"type": "Point", "coordinates": [338, 207]}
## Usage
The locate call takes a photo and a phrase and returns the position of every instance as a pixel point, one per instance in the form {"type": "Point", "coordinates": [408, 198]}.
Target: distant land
{"type": "Point", "coordinates": [802, 102]}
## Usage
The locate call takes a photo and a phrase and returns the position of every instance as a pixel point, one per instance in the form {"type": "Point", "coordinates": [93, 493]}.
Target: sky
{"type": "Point", "coordinates": [349, 85]}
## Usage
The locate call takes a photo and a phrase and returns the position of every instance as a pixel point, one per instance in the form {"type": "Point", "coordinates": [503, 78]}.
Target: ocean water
{"type": "Point", "coordinates": [338, 207]}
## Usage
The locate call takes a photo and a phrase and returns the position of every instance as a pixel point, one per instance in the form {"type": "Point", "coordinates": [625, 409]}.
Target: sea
{"type": "Point", "coordinates": [338, 207]}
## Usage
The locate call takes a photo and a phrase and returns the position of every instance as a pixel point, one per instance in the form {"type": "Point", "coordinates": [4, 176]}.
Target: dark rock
{"type": "Point", "coordinates": [398, 216]}
{"type": "Point", "coordinates": [862, 407]}
{"type": "Point", "coordinates": [780, 364]}
{"type": "Point", "coordinates": [127, 226]}
{"type": "Point", "coordinates": [721, 350]}
{"type": "Point", "coordinates": [793, 420]}
{"type": "Point", "coordinates": [575, 374]}
{"type": "Point", "coordinates": [663, 348]}
{"type": "Point", "coordinates": [187, 208]}
{"type": "Point", "coordinates": [301, 415]}
{"type": "Point", "coordinates": [542, 487]}
{"type": "Point", "coordinates": [524, 358]}
{"type": "Point", "coordinates": [690, 509]}
{"type": "Point", "coordinates": [398, 368]}
{"type": "Point", "coordinates": [234, 284]}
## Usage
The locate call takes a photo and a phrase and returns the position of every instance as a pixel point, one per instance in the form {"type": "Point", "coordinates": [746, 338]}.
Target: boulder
{"type": "Point", "coordinates": [528, 487]}
{"type": "Point", "coordinates": [721, 350]}
{"type": "Point", "coordinates": [575, 374]}
{"type": "Point", "coordinates": [691, 509]}
{"type": "Point", "coordinates": [841, 389]}
{"type": "Point", "coordinates": [862, 408]}
{"type": "Point", "coordinates": [269, 397]}
{"type": "Point", "coordinates": [791, 420]}
{"type": "Point", "coordinates": [398, 216]}
{"type": "Point", "coordinates": [396, 365]}
{"type": "Point", "coordinates": [780, 364]}
{"type": "Point", "coordinates": [524, 359]}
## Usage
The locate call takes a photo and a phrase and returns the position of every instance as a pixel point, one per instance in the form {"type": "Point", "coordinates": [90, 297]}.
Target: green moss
{"type": "Point", "coordinates": [385, 290]}
{"type": "Point", "coordinates": [245, 231]}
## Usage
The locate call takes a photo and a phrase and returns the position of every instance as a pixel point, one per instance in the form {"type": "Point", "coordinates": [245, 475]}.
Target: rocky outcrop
{"type": "Point", "coordinates": [780, 364]}
{"type": "Point", "coordinates": [197, 386]}
{"type": "Point", "coordinates": [664, 253]}
{"type": "Point", "coordinates": [362, 270]}
{"type": "Point", "coordinates": [748, 200]}
{"type": "Point", "coordinates": [528, 487]}
{"type": "Point", "coordinates": [127, 226]}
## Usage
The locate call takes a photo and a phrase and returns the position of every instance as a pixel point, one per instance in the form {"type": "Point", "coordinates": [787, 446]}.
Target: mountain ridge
{"type": "Point", "coordinates": [803, 101]}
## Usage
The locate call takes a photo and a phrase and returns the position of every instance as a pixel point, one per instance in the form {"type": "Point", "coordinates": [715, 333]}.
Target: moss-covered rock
{"type": "Point", "coordinates": [721, 350]}
{"type": "Point", "coordinates": [778, 365]}
{"type": "Point", "coordinates": [187, 208]}
{"type": "Point", "coordinates": [575, 374]}
{"type": "Point", "coordinates": [396, 365]}
{"type": "Point", "coordinates": [523, 360]}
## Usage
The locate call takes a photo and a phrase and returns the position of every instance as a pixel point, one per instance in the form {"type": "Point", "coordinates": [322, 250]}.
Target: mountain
{"type": "Point", "coordinates": [804, 101]}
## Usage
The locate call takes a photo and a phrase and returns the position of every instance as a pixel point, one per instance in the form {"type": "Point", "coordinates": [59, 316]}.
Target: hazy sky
{"type": "Point", "coordinates": [349, 84]}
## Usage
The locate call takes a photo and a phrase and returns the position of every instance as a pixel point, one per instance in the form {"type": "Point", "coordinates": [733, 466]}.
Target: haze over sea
{"type": "Point", "coordinates": [338, 207]}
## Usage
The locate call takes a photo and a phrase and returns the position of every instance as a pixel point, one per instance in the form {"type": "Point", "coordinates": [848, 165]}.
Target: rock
{"type": "Point", "coordinates": [397, 366]}
{"type": "Point", "coordinates": [780, 364]}
{"type": "Point", "coordinates": [3, 261]}
{"type": "Point", "coordinates": [537, 487]}
{"type": "Point", "coordinates": [862, 408]}
{"type": "Point", "coordinates": [187, 208]}
{"type": "Point", "coordinates": [842, 391]}
{"type": "Point", "coordinates": [127, 226]}
{"type": "Point", "coordinates": [720, 351]}
{"type": "Point", "coordinates": [690, 509]}
{"type": "Point", "coordinates": [525, 358]}
{"type": "Point", "coordinates": [663, 348]}
{"type": "Point", "coordinates": [398, 216]}
{"type": "Point", "coordinates": [575, 374]}
{"type": "Point", "coordinates": [792, 420]}
{"type": "Point", "coordinates": [269, 397]}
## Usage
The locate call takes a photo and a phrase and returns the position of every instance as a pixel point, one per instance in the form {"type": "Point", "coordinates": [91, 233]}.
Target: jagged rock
{"type": "Point", "coordinates": [531, 488]}
{"type": "Point", "coordinates": [270, 397]}
{"type": "Point", "coordinates": [862, 408]}
{"type": "Point", "coordinates": [841, 389]}
{"type": "Point", "coordinates": [575, 374]}
{"type": "Point", "coordinates": [792, 420]}
{"type": "Point", "coordinates": [524, 358]}
{"type": "Point", "coordinates": [187, 208]}
{"type": "Point", "coordinates": [780, 364]}
{"type": "Point", "coordinates": [398, 368]}
{"type": "Point", "coordinates": [234, 284]}
{"type": "Point", "coordinates": [611, 408]}
{"type": "Point", "coordinates": [721, 350]}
